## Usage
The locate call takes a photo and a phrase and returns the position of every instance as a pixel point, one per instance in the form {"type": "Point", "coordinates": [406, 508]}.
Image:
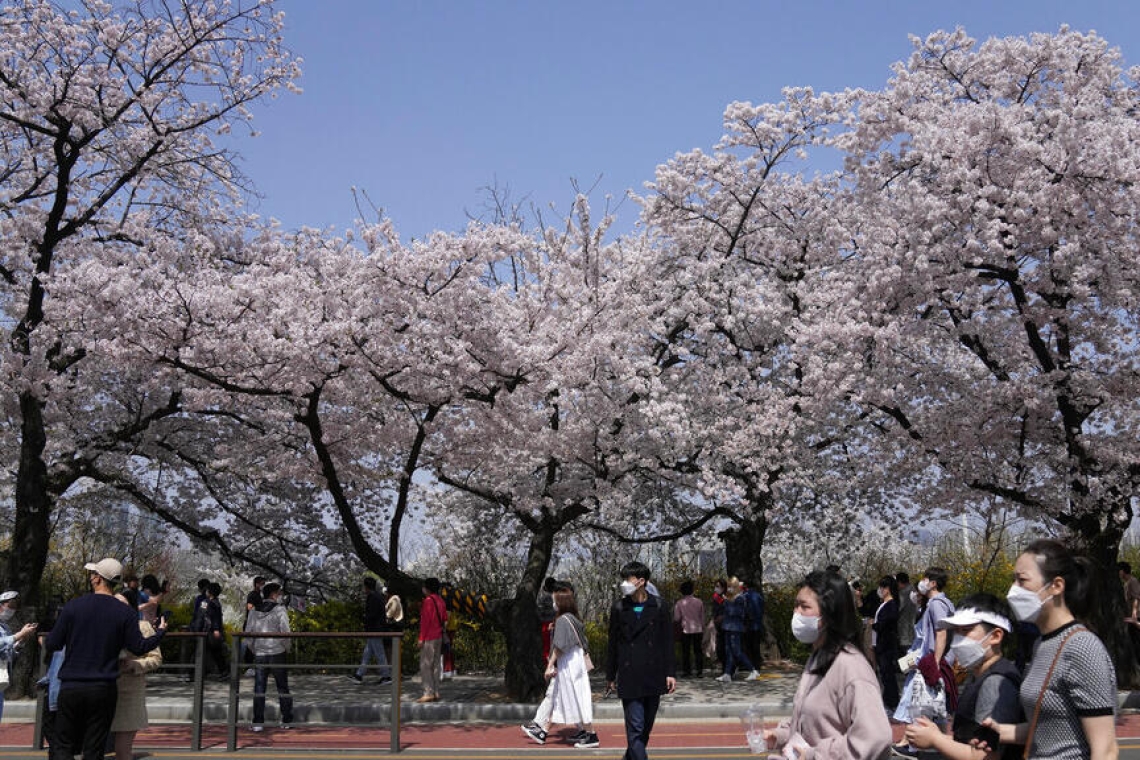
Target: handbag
{"type": "Point", "coordinates": [585, 652]}
{"type": "Point", "coordinates": [927, 701]}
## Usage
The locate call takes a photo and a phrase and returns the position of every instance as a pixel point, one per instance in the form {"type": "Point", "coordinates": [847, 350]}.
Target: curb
{"type": "Point", "coordinates": [376, 713]}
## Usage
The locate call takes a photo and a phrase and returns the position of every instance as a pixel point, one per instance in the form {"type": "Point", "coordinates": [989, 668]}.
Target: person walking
{"type": "Point", "coordinates": [374, 622]}
{"type": "Point", "coordinates": [836, 712]}
{"type": "Point", "coordinates": [130, 707]}
{"type": "Point", "coordinates": [10, 642]}
{"type": "Point", "coordinates": [689, 618]}
{"type": "Point", "coordinates": [980, 627]}
{"type": "Point", "coordinates": [639, 659]}
{"type": "Point", "coordinates": [717, 611]}
{"type": "Point", "coordinates": [735, 611]}
{"type": "Point", "coordinates": [215, 633]}
{"type": "Point", "coordinates": [1069, 691]}
{"type": "Point", "coordinates": [269, 656]}
{"type": "Point", "coordinates": [930, 640]}
{"type": "Point", "coordinates": [907, 597]}
{"type": "Point", "coordinates": [885, 641]}
{"type": "Point", "coordinates": [433, 618]}
{"type": "Point", "coordinates": [394, 621]}
{"type": "Point", "coordinates": [93, 628]}
{"type": "Point", "coordinates": [569, 675]}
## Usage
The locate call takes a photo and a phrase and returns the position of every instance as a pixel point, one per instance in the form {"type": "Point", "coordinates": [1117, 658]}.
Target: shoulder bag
{"type": "Point", "coordinates": [585, 652]}
{"type": "Point", "coordinates": [1045, 688]}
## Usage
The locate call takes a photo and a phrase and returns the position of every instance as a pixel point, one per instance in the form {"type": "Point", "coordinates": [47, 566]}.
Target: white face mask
{"type": "Point", "coordinates": [1026, 604]}
{"type": "Point", "coordinates": [914, 597]}
{"type": "Point", "coordinates": [805, 628]}
{"type": "Point", "coordinates": [882, 593]}
{"type": "Point", "coordinates": [6, 614]}
{"type": "Point", "coordinates": [968, 652]}
{"type": "Point", "coordinates": [627, 588]}
{"type": "Point", "coordinates": [924, 587]}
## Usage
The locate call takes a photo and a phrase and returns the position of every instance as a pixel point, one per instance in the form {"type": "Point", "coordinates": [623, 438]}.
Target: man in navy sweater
{"type": "Point", "coordinates": [93, 628]}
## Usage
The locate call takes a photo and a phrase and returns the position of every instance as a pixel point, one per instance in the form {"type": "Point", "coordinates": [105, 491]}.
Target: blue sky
{"type": "Point", "coordinates": [423, 104]}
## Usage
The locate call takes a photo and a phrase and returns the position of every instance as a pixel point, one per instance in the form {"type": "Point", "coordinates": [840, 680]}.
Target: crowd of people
{"type": "Point", "coordinates": [907, 655]}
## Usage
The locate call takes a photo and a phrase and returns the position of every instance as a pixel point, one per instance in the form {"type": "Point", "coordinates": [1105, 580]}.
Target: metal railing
{"type": "Point", "coordinates": [197, 675]}
{"type": "Point", "coordinates": [236, 664]}
{"type": "Point", "coordinates": [195, 668]}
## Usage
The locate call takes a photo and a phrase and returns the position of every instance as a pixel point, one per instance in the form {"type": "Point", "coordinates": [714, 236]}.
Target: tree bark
{"type": "Point", "coordinates": [743, 544]}
{"type": "Point", "coordinates": [524, 680]}
{"type": "Point", "coordinates": [31, 531]}
{"type": "Point", "coordinates": [1100, 543]}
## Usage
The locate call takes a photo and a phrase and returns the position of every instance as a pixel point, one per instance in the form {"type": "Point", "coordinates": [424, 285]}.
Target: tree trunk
{"type": "Point", "coordinates": [743, 545]}
{"type": "Point", "coordinates": [1100, 542]}
{"type": "Point", "coordinates": [31, 532]}
{"type": "Point", "coordinates": [524, 681]}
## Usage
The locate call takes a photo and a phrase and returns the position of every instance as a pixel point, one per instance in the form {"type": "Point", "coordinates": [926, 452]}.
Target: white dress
{"type": "Point", "coordinates": [571, 699]}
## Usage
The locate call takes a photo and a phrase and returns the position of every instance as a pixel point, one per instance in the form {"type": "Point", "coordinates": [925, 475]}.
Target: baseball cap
{"type": "Point", "coordinates": [968, 616]}
{"type": "Point", "coordinates": [108, 567]}
{"type": "Point", "coordinates": [8, 596]}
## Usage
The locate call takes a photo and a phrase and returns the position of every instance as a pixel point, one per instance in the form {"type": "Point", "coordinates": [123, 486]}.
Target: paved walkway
{"type": "Point", "coordinates": [336, 699]}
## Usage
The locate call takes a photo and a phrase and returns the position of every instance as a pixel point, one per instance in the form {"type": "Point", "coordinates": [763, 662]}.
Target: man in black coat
{"type": "Point", "coordinates": [640, 657]}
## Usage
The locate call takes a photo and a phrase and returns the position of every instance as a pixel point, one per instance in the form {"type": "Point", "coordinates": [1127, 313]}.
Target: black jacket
{"type": "Point", "coordinates": [374, 616]}
{"type": "Point", "coordinates": [640, 655]}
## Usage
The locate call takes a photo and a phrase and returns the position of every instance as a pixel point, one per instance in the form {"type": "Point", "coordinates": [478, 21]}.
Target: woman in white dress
{"type": "Point", "coordinates": [569, 693]}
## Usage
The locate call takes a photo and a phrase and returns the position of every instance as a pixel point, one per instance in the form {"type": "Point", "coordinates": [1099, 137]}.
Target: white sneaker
{"type": "Point", "coordinates": [753, 676]}
{"type": "Point", "coordinates": [257, 728]}
{"type": "Point", "coordinates": [724, 678]}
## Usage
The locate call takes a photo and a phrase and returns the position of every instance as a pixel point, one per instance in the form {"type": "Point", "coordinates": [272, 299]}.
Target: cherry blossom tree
{"type": "Point", "coordinates": [108, 114]}
{"type": "Point", "coordinates": [998, 184]}
{"type": "Point", "coordinates": [741, 246]}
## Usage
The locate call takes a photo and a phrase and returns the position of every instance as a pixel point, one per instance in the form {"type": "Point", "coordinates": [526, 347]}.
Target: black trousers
{"type": "Point", "coordinates": [691, 643]}
{"type": "Point", "coordinates": [888, 677]}
{"type": "Point", "coordinates": [83, 721]}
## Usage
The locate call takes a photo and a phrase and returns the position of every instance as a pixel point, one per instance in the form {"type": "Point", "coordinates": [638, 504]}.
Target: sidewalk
{"type": "Point", "coordinates": [337, 700]}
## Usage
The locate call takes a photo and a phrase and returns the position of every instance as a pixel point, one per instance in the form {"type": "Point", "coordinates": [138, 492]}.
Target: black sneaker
{"type": "Point", "coordinates": [577, 736]}
{"type": "Point", "coordinates": [384, 681]}
{"type": "Point", "coordinates": [589, 741]}
{"type": "Point", "coordinates": [535, 733]}
{"type": "Point", "coordinates": [354, 677]}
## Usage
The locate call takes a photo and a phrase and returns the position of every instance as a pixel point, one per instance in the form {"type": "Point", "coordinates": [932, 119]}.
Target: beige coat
{"type": "Point", "coordinates": [130, 710]}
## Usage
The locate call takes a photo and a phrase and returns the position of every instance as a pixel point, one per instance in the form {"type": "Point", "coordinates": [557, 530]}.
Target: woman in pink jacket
{"type": "Point", "coordinates": [837, 713]}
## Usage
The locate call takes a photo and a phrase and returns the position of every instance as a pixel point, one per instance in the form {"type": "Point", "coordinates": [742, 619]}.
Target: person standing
{"type": "Point", "coordinates": [689, 617]}
{"type": "Point", "coordinates": [734, 627]}
{"type": "Point", "coordinates": [433, 618]}
{"type": "Point", "coordinates": [885, 641]}
{"type": "Point", "coordinates": [10, 642]}
{"type": "Point", "coordinates": [253, 600]}
{"type": "Point", "coordinates": [394, 620]}
{"type": "Point", "coordinates": [269, 655]}
{"type": "Point", "coordinates": [374, 622]}
{"type": "Point", "coordinates": [93, 628]}
{"type": "Point", "coordinates": [754, 623]}
{"type": "Point", "coordinates": [1131, 604]}
{"type": "Point", "coordinates": [215, 633]}
{"type": "Point", "coordinates": [718, 601]}
{"type": "Point", "coordinates": [130, 709]}
{"type": "Point", "coordinates": [639, 660]}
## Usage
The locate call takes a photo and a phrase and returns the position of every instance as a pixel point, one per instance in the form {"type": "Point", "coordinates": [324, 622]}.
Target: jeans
{"type": "Point", "coordinates": [734, 656]}
{"type": "Point", "coordinates": [639, 716]}
{"type": "Point", "coordinates": [265, 663]}
{"type": "Point", "coordinates": [374, 650]}
{"type": "Point", "coordinates": [83, 721]}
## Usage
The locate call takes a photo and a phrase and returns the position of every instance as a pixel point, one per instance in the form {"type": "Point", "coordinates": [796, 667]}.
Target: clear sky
{"type": "Point", "coordinates": [421, 104]}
